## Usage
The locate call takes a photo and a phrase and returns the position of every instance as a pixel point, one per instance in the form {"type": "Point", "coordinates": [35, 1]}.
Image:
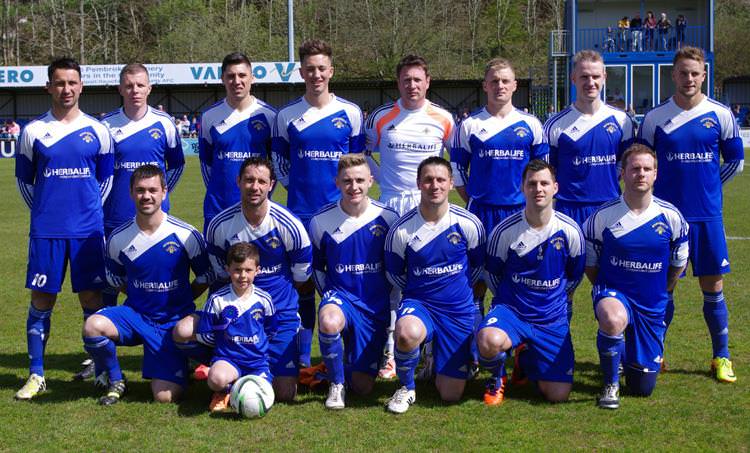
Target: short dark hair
{"type": "Point", "coordinates": [635, 149]}
{"type": "Point", "coordinates": [242, 251]}
{"type": "Point", "coordinates": [133, 68]}
{"type": "Point", "coordinates": [314, 47]}
{"type": "Point", "coordinates": [63, 63]}
{"type": "Point", "coordinates": [257, 162]}
{"type": "Point", "coordinates": [145, 172]}
{"type": "Point", "coordinates": [434, 160]}
{"type": "Point", "coordinates": [233, 59]}
{"type": "Point", "coordinates": [412, 60]}
{"type": "Point", "coordinates": [537, 165]}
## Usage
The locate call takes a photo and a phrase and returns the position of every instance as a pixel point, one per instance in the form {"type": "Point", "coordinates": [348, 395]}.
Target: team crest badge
{"type": "Point", "coordinates": [338, 123]}
{"type": "Point", "coordinates": [257, 314]}
{"type": "Point", "coordinates": [258, 125]}
{"type": "Point", "coordinates": [610, 127]}
{"type": "Point", "coordinates": [557, 243]}
{"type": "Point", "coordinates": [171, 247]}
{"type": "Point", "coordinates": [708, 123]}
{"type": "Point", "coordinates": [273, 242]}
{"type": "Point", "coordinates": [659, 227]}
{"type": "Point", "coordinates": [87, 137]}
{"type": "Point", "coordinates": [155, 133]}
{"type": "Point", "coordinates": [454, 238]}
{"type": "Point", "coordinates": [521, 131]}
{"type": "Point", "coordinates": [377, 230]}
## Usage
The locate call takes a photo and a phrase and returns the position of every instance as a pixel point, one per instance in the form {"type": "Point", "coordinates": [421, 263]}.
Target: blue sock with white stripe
{"type": "Point", "coordinates": [37, 332]}
{"type": "Point", "coordinates": [611, 349]}
{"type": "Point", "coordinates": [717, 318]}
{"type": "Point", "coordinates": [104, 353]}
{"type": "Point", "coordinates": [332, 350]}
{"type": "Point", "coordinates": [406, 363]}
{"type": "Point", "coordinates": [495, 365]}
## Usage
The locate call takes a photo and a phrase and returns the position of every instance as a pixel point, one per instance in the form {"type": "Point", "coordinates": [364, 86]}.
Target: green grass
{"type": "Point", "coordinates": [687, 411]}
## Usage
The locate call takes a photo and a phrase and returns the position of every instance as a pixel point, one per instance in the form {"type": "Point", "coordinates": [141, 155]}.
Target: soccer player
{"type": "Point", "coordinates": [434, 253]}
{"type": "Point", "coordinates": [285, 257]}
{"type": "Point", "coordinates": [149, 258]}
{"type": "Point", "coordinates": [495, 143]}
{"type": "Point", "coordinates": [348, 239]}
{"type": "Point", "coordinates": [636, 249]}
{"type": "Point", "coordinates": [233, 129]}
{"type": "Point", "coordinates": [586, 141]}
{"type": "Point", "coordinates": [534, 258]}
{"type": "Point", "coordinates": [64, 171]}
{"type": "Point", "coordinates": [237, 321]}
{"type": "Point", "coordinates": [698, 144]}
{"type": "Point", "coordinates": [404, 133]}
{"type": "Point", "coordinates": [142, 135]}
{"type": "Point", "coordinates": [310, 135]}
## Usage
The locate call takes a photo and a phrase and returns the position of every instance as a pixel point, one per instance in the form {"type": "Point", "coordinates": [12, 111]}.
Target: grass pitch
{"type": "Point", "coordinates": [688, 410]}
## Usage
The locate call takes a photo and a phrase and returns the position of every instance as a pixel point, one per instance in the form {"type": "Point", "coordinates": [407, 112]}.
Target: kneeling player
{"type": "Point", "coordinates": [434, 253]}
{"type": "Point", "coordinates": [348, 239]}
{"type": "Point", "coordinates": [149, 257]}
{"type": "Point", "coordinates": [237, 322]}
{"type": "Point", "coordinates": [534, 259]}
{"type": "Point", "coordinates": [637, 247]}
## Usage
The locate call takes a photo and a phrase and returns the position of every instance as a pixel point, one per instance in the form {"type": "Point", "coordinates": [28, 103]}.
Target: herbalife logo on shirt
{"type": "Point", "coordinates": [691, 158]}
{"type": "Point", "coordinates": [315, 154]}
{"type": "Point", "coordinates": [67, 173]}
{"type": "Point", "coordinates": [438, 270]}
{"type": "Point", "coordinates": [635, 266]}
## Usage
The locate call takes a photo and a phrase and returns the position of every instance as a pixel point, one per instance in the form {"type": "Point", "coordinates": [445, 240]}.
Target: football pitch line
{"type": "Point", "coordinates": [738, 238]}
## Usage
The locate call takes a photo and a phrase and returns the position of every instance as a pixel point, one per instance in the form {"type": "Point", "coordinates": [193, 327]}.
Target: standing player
{"type": "Point", "coordinates": [142, 135]}
{"type": "Point", "coordinates": [285, 256]}
{"type": "Point", "coordinates": [404, 133]}
{"type": "Point", "coordinates": [534, 258]}
{"type": "Point", "coordinates": [232, 130]}
{"type": "Point", "coordinates": [150, 258]}
{"type": "Point", "coordinates": [585, 143]}
{"type": "Point", "coordinates": [434, 253]}
{"type": "Point", "coordinates": [692, 135]}
{"type": "Point", "coordinates": [309, 137]}
{"type": "Point", "coordinates": [64, 171]}
{"type": "Point", "coordinates": [636, 249]}
{"type": "Point", "coordinates": [495, 143]}
{"type": "Point", "coordinates": [348, 239]}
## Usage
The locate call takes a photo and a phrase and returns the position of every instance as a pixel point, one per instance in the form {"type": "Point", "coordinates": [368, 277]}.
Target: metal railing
{"type": "Point", "coordinates": [614, 40]}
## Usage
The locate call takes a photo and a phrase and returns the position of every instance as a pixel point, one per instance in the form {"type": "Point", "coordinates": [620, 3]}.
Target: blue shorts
{"type": "Point", "coordinates": [550, 350]}
{"type": "Point", "coordinates": [577, 211]}
{"type": "Point", "coordinates": [48, 260]}
{"type": "Point", "coordinates": [282, 347]}
{"type": "Point", "coordinates": [644, 335]}
{"type": "Point", "coordinates": [263, 372]}
{"type": "Point", "coordinates": [490, 215]}
{"type": "Point", "coordinates": [364, 337]}
{"type": "Point", "coordinates": [451, 335]}
{"type": "Point", "coordinates": [161, 358]}
{"type": "Point", "coordinates": [708, 248]}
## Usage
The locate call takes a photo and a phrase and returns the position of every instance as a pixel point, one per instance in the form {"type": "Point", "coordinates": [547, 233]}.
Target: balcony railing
{"type": "Point", "coordinates": [614, 40]}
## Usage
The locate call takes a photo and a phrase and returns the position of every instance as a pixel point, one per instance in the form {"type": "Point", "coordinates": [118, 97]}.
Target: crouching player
{"type": "Point", "coordinates": [434, 253]}
{"type": "Point", "coordinates": [534, 259]}
{"type": "Point", "coordinates": [348, 238]}
{"type": "Point", "coordinates": [636, 247]}
{"type": "Point", "coordinates": [150, 257]}
{"type": "Point", "coordinates": [237, 322]}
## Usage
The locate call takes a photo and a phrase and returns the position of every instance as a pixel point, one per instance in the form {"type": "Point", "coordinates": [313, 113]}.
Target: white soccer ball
{"type": "Point", "coordinates": [252, 396]}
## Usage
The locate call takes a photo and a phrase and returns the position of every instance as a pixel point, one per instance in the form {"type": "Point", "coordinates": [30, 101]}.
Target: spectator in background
{"type": "Point", "coordinates": [160, 107]}
{"type": "Point", "coordinates": [550, 112]}
{"type": "Point", "coordinates": [13, 129]}
{"type": "Point", "coordinates": [680, 25]}
{"type": "Point", "coordinates": [183, 125]}
{"type": "Point", "coordinates": [193, 131]}
{"type": "Point", "coordinates": [649, 25]}
{"type": "Point", "coordinates": [609, 41]}
{"type": "Point", "coordinates": [663, 27]}
{"type": "Point", "coordinates": [623, 26]}
{"type": "Point", "coordinates": [636, 33]}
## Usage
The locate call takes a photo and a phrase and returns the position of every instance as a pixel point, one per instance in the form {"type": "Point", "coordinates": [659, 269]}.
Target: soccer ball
{"type": "Point", "coordinates": [252, 396]}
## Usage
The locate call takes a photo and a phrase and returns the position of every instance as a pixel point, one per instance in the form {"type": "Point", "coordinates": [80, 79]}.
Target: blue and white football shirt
{"type": "Point", "coordinates": [307, 145]}
{"type": "Point", "coordinates": [228, 137]}
{"type": "Point", "coordinates": [585, 149]}
{"type": "Point", "coordinates": [156, 268]}
{"type": "Point", "coordinates": [64, 171]}
{"type": "Point", "coordinates": [238, 327]}
{"type": "Point", "coordinates": [152, 139]}
{"type": "Point", "coordinates": [487, 148]}
{"type": "Point", "coordinates": [634, 251]}
{"type": "Point", "coordinates": [283, 243]}
{"type": "Point", "coordinates": [689, 145]}
{"type": "Point", "coordinates": [530, 270]}
{"type": "Point", "coordinates": [437, 264]}
{"type": "Point", "coordinates": [348, 255]}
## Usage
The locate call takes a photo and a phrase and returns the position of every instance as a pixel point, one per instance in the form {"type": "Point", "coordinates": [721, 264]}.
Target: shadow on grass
{"type": "Point", "coordinates": [66, 362]}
